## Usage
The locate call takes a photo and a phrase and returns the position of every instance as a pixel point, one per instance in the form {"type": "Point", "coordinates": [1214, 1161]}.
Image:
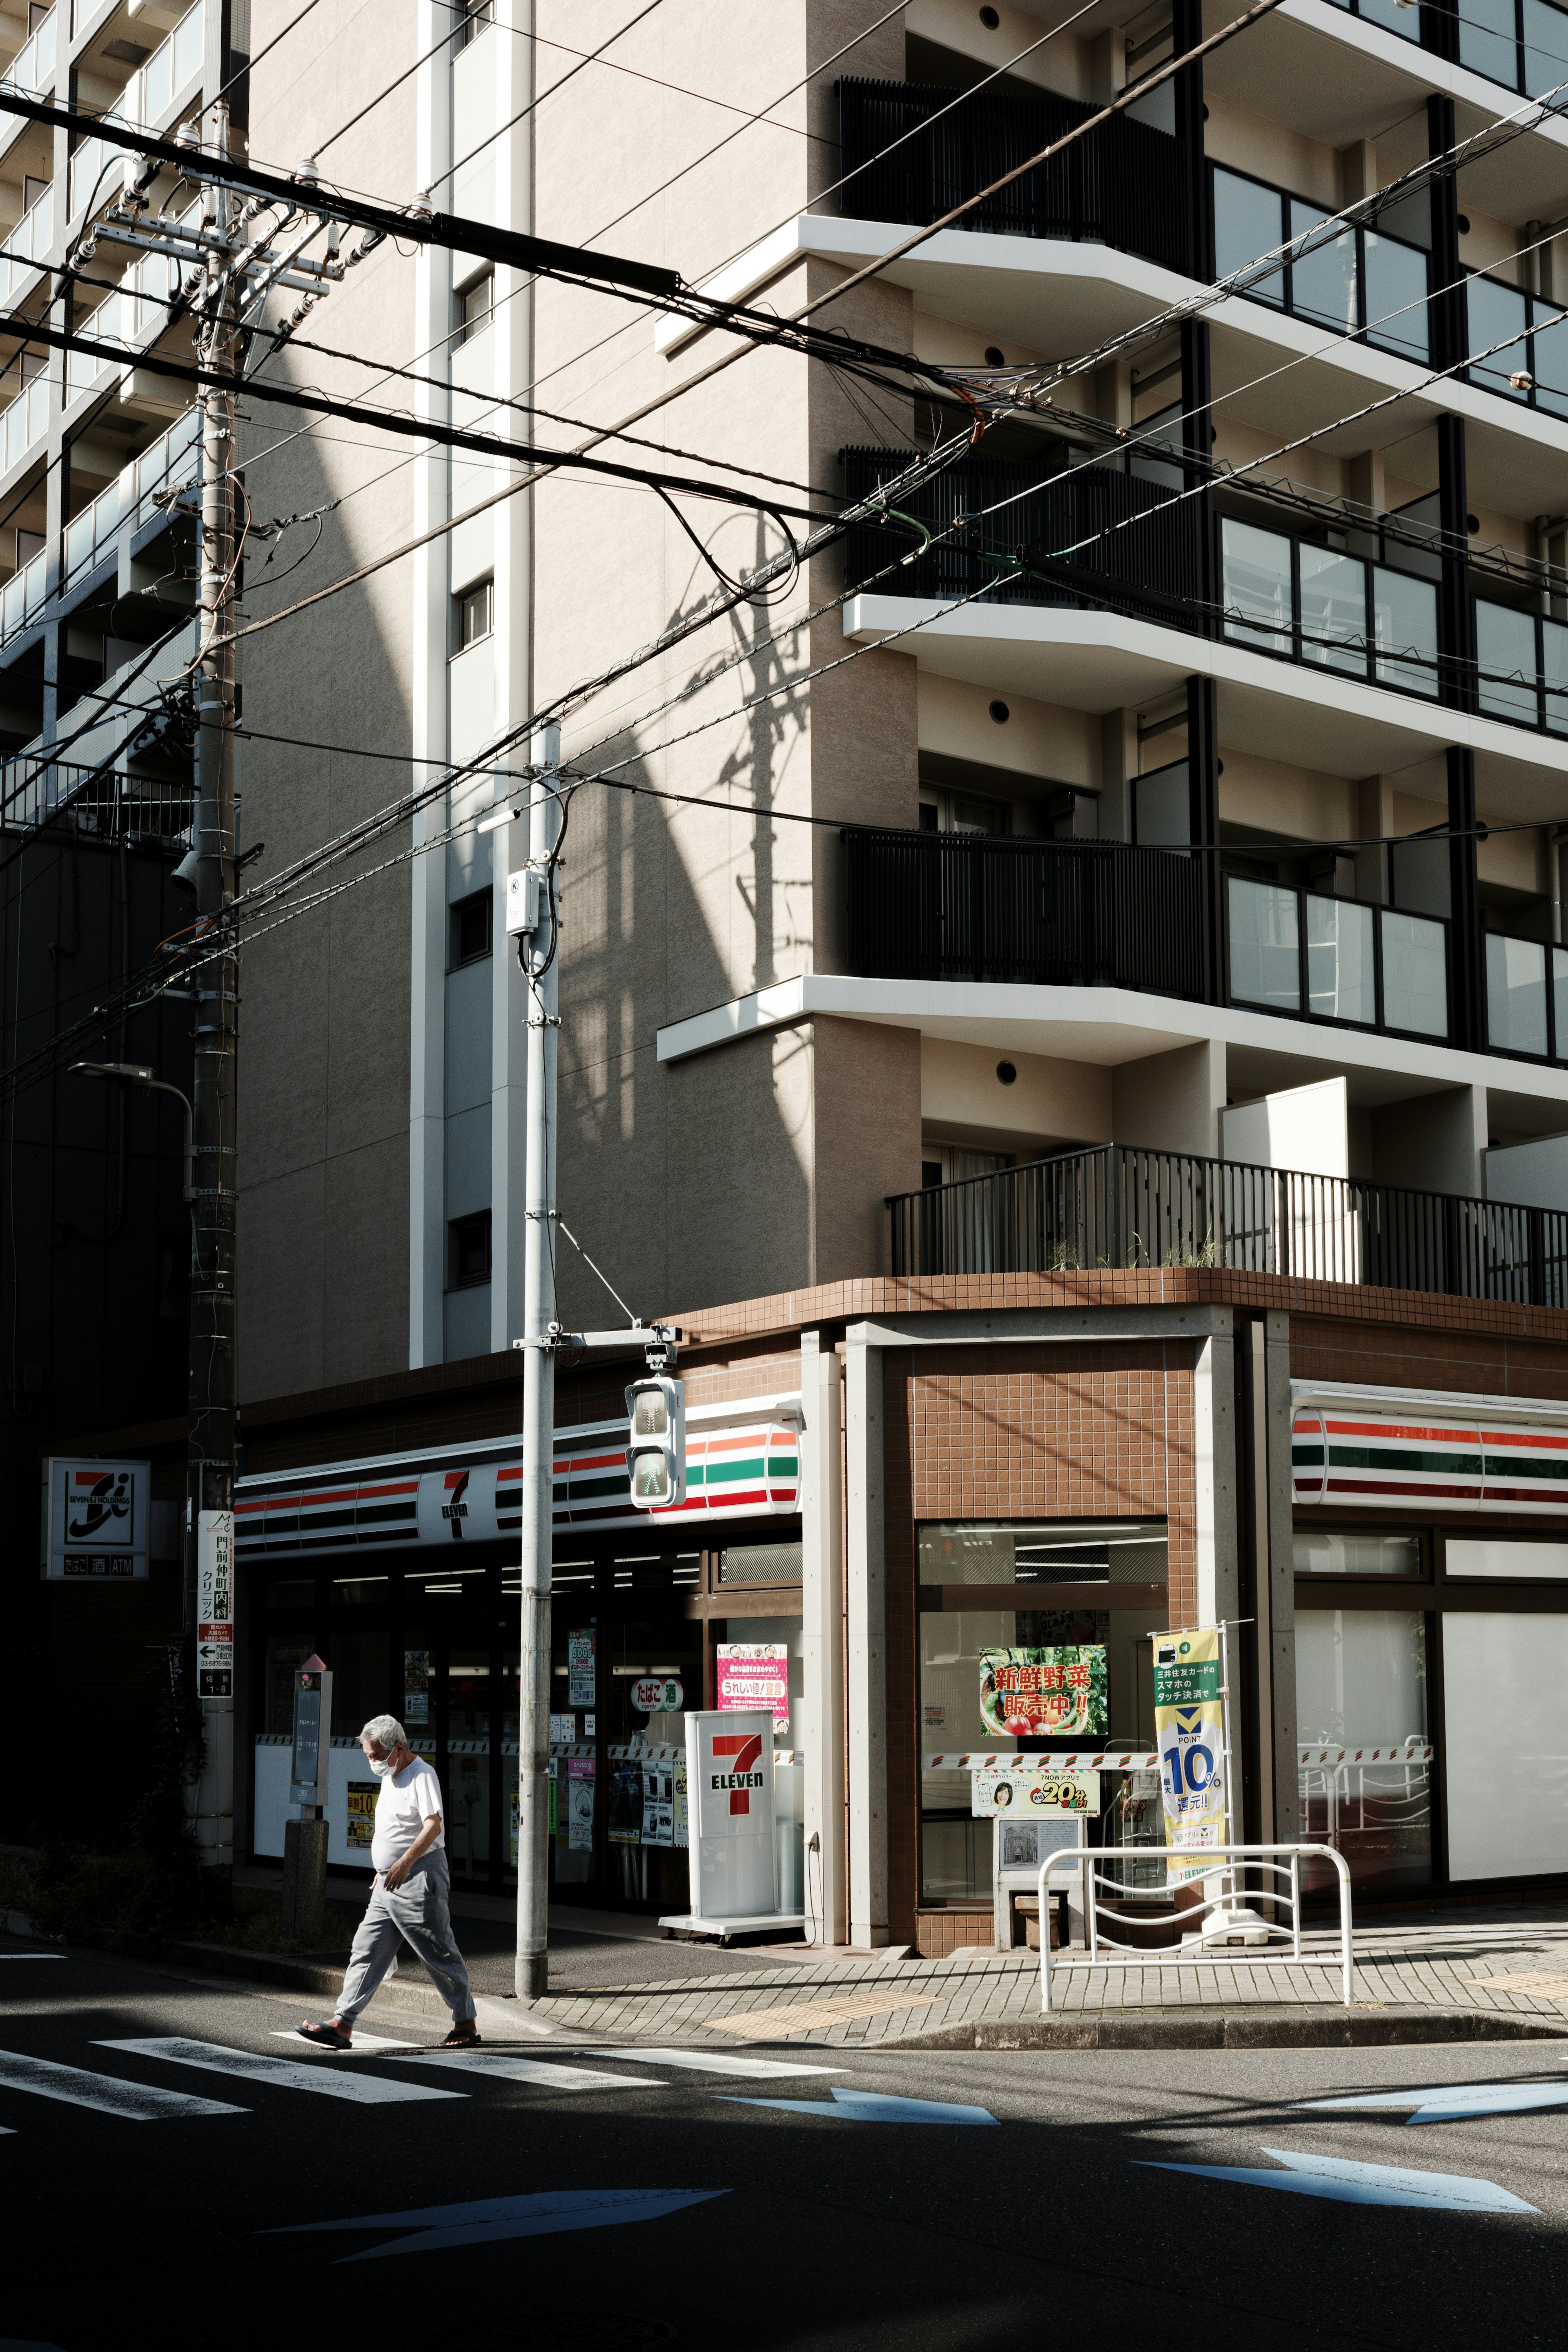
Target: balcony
{"type": "Point", "coordinates": [1327, 959]}
{"type": "Point", "coordinates": [98, 171]}
{"type": "Point", "coordinates": [1358, 282]}
{"type": "Point", "coordinates": [1518, 43]}
{"type": "Point", "coordinates": [1154, 571]}
{"type": "Point", "coordinates": [26, 244]}
{"type": "Point", "coordinates": [1120, 187]}
{"type": "Point", "coordinates": [1119, 1206]}
{"type": "Point", "coordinates": [954, 906]}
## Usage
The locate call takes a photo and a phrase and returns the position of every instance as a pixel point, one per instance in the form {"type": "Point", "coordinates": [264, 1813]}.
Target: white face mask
{"type": "Point", "coordinates": [380, 1765]}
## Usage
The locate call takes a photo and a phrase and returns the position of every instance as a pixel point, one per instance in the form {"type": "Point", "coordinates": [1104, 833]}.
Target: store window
{"type": "Point", "coordinates": [1361, 1682]}
{"type": "Point", "coordinates": [1503, 1679]}
{"type": "Point", "coordinates": [965, 1687]}
{"type": "Point", "coordinates": [1324, 1551]}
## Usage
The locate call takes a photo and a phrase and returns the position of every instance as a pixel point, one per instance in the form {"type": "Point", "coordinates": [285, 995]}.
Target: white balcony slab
{"type": "Point", "coordinates": [1060, 298]}
{"type": "Point", "coordinates": [1110, 1026]}
{"type": "Point", "coordinates": [1274, 710]}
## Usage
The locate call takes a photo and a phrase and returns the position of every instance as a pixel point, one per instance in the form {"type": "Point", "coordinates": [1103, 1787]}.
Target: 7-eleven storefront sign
{"type": "Point", "coordinates": [730, 1781]}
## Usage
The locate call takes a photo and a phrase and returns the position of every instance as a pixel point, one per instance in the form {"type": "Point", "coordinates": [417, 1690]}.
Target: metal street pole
{"type": "Point", "coordinates": [542, 963]}
{"type": "Point", "coordinates": [209, 1541]}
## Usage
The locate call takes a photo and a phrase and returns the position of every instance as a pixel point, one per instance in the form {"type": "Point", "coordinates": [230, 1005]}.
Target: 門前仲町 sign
{"type": "Point", "coordinates": [1045, 1694]}
{"type": "Point", "coordinates": [1189, 1730]}
{"type": "Point", "coordinates": [995, 1796]}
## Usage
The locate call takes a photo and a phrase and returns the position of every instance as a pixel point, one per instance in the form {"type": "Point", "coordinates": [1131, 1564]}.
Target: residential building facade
{"type": "Point", "coordinates": [1118, 947]}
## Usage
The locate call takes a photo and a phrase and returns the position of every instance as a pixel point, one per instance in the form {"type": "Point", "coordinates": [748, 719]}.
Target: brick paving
{"type": "Point", "coordinates": [1443, 1965]}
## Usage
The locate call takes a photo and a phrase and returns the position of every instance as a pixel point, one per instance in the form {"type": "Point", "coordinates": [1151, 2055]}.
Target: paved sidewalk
{"type": "Point", "coordinates": [1506, 1973]}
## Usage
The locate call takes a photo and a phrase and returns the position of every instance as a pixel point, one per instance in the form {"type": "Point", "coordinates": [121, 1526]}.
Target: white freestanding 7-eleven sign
{"type": "Point", "coordinates": [729, 1788]}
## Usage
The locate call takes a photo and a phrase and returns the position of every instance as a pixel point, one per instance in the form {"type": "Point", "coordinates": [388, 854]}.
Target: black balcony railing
{"type": "Point", "coordinates": [1120, 1206]}
{"type": "Point", "coordinates": [1152, 570]}
{"type": "Point", "coordinates": [1087, 914]}
{"type": "Point", "coordinates": [1120, 186]}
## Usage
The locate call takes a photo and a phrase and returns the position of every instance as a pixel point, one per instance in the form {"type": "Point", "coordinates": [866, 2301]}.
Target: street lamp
{"type": "Point", "coordinates": [138, 1074]}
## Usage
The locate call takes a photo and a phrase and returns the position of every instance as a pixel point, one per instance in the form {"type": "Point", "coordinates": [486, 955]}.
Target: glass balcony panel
{"type": "Point", "coordinates": [1516, 995]}
{"type": "Point", "coordinates": [1333, 609]}
{"type": "Point", "coordinates": [185, 41]}
{"type": "Point", "coordinates": [1258, 605]}
{"type": "Point", "coordinates": [1554, 676]}
{"type": "Point", "coordinates": [1487, 43]}
{"type": "Point", "coordinates": [1405, 22]}
{"type": "Point", "coordinates": [157, 82]}
{"type": "Point", "coordinates": [1265, 945]}
{"type": "Point", "coordinates": [1404, 622]}
{"type": "Point", "coordinates": [1549, 352]}
{"type": "Point", "coordinates": [1396, 318]}
{"type": "Point", "coordinates": [1415, 974]}
{"type": "Point", "coordinates": [1496, 313]}
{"type": "Point", "coordinates": [1545, 52]}
{"type": "Point", "coordinates": [1505, 648]}
{"type": "Point", "coordinates": [1340, 981]}
{"type": "Point", "coordinates": [1248, 221]}
{"type": "Point", "coordinates": [1323, 279]}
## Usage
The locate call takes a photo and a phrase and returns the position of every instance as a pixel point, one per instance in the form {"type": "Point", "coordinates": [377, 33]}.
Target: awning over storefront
{"type": "Point", "coordinates": [1388, 1448]}
{"type": "Point", "coordinates": [742, 1462]}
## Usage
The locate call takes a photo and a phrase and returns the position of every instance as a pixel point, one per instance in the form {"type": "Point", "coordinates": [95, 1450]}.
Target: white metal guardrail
{"type": "Point", "coordinates": [1097, 1866]}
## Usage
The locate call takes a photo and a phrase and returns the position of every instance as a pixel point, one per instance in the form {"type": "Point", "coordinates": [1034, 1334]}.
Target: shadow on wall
{"type": "Point", "coordinates": [693, 1179]}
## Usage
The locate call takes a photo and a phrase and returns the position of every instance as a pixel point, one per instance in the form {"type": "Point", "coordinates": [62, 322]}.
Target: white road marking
{"type": "Point", "coordinates": [1349, 2183]}
{"type": "Point", "coordinates": [368, 2043]}
{"type": "Point", "coordinates": [509, 2069]}
{"type": "Point", "coordinates": [286, 2074]}
{"type": "Point", "coordinates": [30, 1956]}
{"type": "Point", "coordinates": [713, 2062]}
{"type": "Point", "coordinates": [138, 2103]}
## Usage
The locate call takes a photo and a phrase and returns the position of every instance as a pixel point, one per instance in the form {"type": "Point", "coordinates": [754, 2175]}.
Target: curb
{"type": "Point", "coordinates": [1320, 2029]}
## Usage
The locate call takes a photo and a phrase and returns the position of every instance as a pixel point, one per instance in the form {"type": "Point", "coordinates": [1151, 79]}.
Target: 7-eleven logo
{"type": "Point", "coordinates": [744, 1748]}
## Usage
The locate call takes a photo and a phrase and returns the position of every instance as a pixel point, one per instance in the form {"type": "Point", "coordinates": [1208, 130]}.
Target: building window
{"type": "Point", "coordinates": [469, 19]}
{"type": "Point", "coordinates": [469, 1251]}
{"type": "Point", "coordinates": [471, 307]}
{"type": "Point", "coordinates": [473, 613]}
{"type": "Point", "coordinates": [472, 929]}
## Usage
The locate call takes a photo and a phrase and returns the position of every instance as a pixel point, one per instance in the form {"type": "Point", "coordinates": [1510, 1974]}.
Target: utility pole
{"type": "Point", "coordinates": [538, 952]}
{"type": "Point", "coordinates": [209, 1532]}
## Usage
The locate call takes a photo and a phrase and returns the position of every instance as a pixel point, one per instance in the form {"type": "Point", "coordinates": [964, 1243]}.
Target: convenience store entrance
{"type": "Point", "coordinates": [438, 1646]}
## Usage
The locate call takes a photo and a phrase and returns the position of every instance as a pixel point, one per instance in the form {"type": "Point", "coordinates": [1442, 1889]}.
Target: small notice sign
{"type": "Point", "coordinates": [362, 1795]}
{"type": "Point", "coordinates": [755, 1674]}
{"type": "Point", "coordinates": [997, 1795]}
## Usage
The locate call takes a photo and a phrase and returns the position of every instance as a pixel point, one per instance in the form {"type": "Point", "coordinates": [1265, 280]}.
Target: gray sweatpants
{"type": "Point", "coordinates": [414, 1913]}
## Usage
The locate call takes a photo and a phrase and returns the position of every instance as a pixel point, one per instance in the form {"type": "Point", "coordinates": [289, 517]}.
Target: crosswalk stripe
{"type": "Point", "coordinates": [138, 2103]}
{"type": "Point", "coordinates": [372, 2044]}
{"type": "Point", "coordinates": [507, 2069]}
{"type": "Point", "coordinates": [285, 2074]}
{"type": "Point", "coordinates": [712, 2062]}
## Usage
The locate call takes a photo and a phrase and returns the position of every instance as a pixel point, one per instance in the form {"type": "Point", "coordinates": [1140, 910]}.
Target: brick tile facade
{"type": "Point", "coordinates": [937, 1933]}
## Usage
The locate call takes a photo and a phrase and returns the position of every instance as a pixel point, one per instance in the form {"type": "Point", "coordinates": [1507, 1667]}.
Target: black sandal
{"type": "Point", "coordinates": [462, 2037]}
{"type": "Point", "coordinates": [329, 2037]}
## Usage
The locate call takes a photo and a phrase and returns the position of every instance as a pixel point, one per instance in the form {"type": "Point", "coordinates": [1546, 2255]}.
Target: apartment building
{"type": "Point", "coordinates": [1082, 1058]}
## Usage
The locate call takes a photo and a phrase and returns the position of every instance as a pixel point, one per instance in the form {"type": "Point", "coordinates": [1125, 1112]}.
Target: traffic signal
{"type": "Point", "coordinates": [656, 1451]}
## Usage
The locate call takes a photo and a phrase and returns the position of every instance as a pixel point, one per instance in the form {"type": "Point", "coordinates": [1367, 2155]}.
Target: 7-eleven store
{"type": "Point", "coordinates": [887, 1481]}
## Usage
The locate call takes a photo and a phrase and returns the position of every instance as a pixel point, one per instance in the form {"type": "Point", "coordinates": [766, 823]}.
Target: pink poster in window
{"type": "Point", "coordinates": [755, 1674]}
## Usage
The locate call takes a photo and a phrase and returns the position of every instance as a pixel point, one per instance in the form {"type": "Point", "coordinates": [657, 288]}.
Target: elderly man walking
{"type": "Point", "coordinates": [408, 1895]}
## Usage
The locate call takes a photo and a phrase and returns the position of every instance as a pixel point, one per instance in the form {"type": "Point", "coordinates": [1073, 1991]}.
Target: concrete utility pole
{"type": "Point", "coordinates": [539, 949]}
{"type": "Point", "coordinates": [209, 1537]}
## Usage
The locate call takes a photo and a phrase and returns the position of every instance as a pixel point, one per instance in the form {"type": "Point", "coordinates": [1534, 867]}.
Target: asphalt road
{"type": "Point", "coordinates": [659, 2208]}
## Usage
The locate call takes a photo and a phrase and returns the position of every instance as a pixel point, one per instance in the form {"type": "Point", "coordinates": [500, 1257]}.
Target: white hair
{"type": "Point", "coordinates": [384, 1731]}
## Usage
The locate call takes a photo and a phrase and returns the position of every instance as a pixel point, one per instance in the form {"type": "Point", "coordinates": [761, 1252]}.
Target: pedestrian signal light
{"type": "Point", "coordinates": [655, 1449]}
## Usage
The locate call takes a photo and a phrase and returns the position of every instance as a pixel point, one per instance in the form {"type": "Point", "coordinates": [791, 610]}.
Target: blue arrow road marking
{"type": "Point", "coordinates": [870, 2107]}
{"type": "Point", "coordinates": [1364, 2184]}
{"type": "Point", "coordinates": [489, 2220]}
{"type": "Point", "coordinates": [1447, 2102]}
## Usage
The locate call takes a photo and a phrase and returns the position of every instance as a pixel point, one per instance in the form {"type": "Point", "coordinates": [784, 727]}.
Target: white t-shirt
{"type": "Point", "coordinates": [407, 1800]}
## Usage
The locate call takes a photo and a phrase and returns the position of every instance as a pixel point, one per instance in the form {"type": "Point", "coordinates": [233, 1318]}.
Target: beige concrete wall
{"type": "Point", "coordinates": [323, 1059]}
{"type": "Point", "coordinates": [670, 908]}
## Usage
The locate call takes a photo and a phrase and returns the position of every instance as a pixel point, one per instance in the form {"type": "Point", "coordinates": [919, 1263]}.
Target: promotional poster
{"type": "Point", "coordinates": [1189, 1731]}
{"type": "Point", "coordinates": [1045, 1694]}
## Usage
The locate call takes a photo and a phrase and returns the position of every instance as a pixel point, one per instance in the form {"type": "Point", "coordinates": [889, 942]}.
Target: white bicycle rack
{"type": "Point", "coordinates": [1098, 1868]}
